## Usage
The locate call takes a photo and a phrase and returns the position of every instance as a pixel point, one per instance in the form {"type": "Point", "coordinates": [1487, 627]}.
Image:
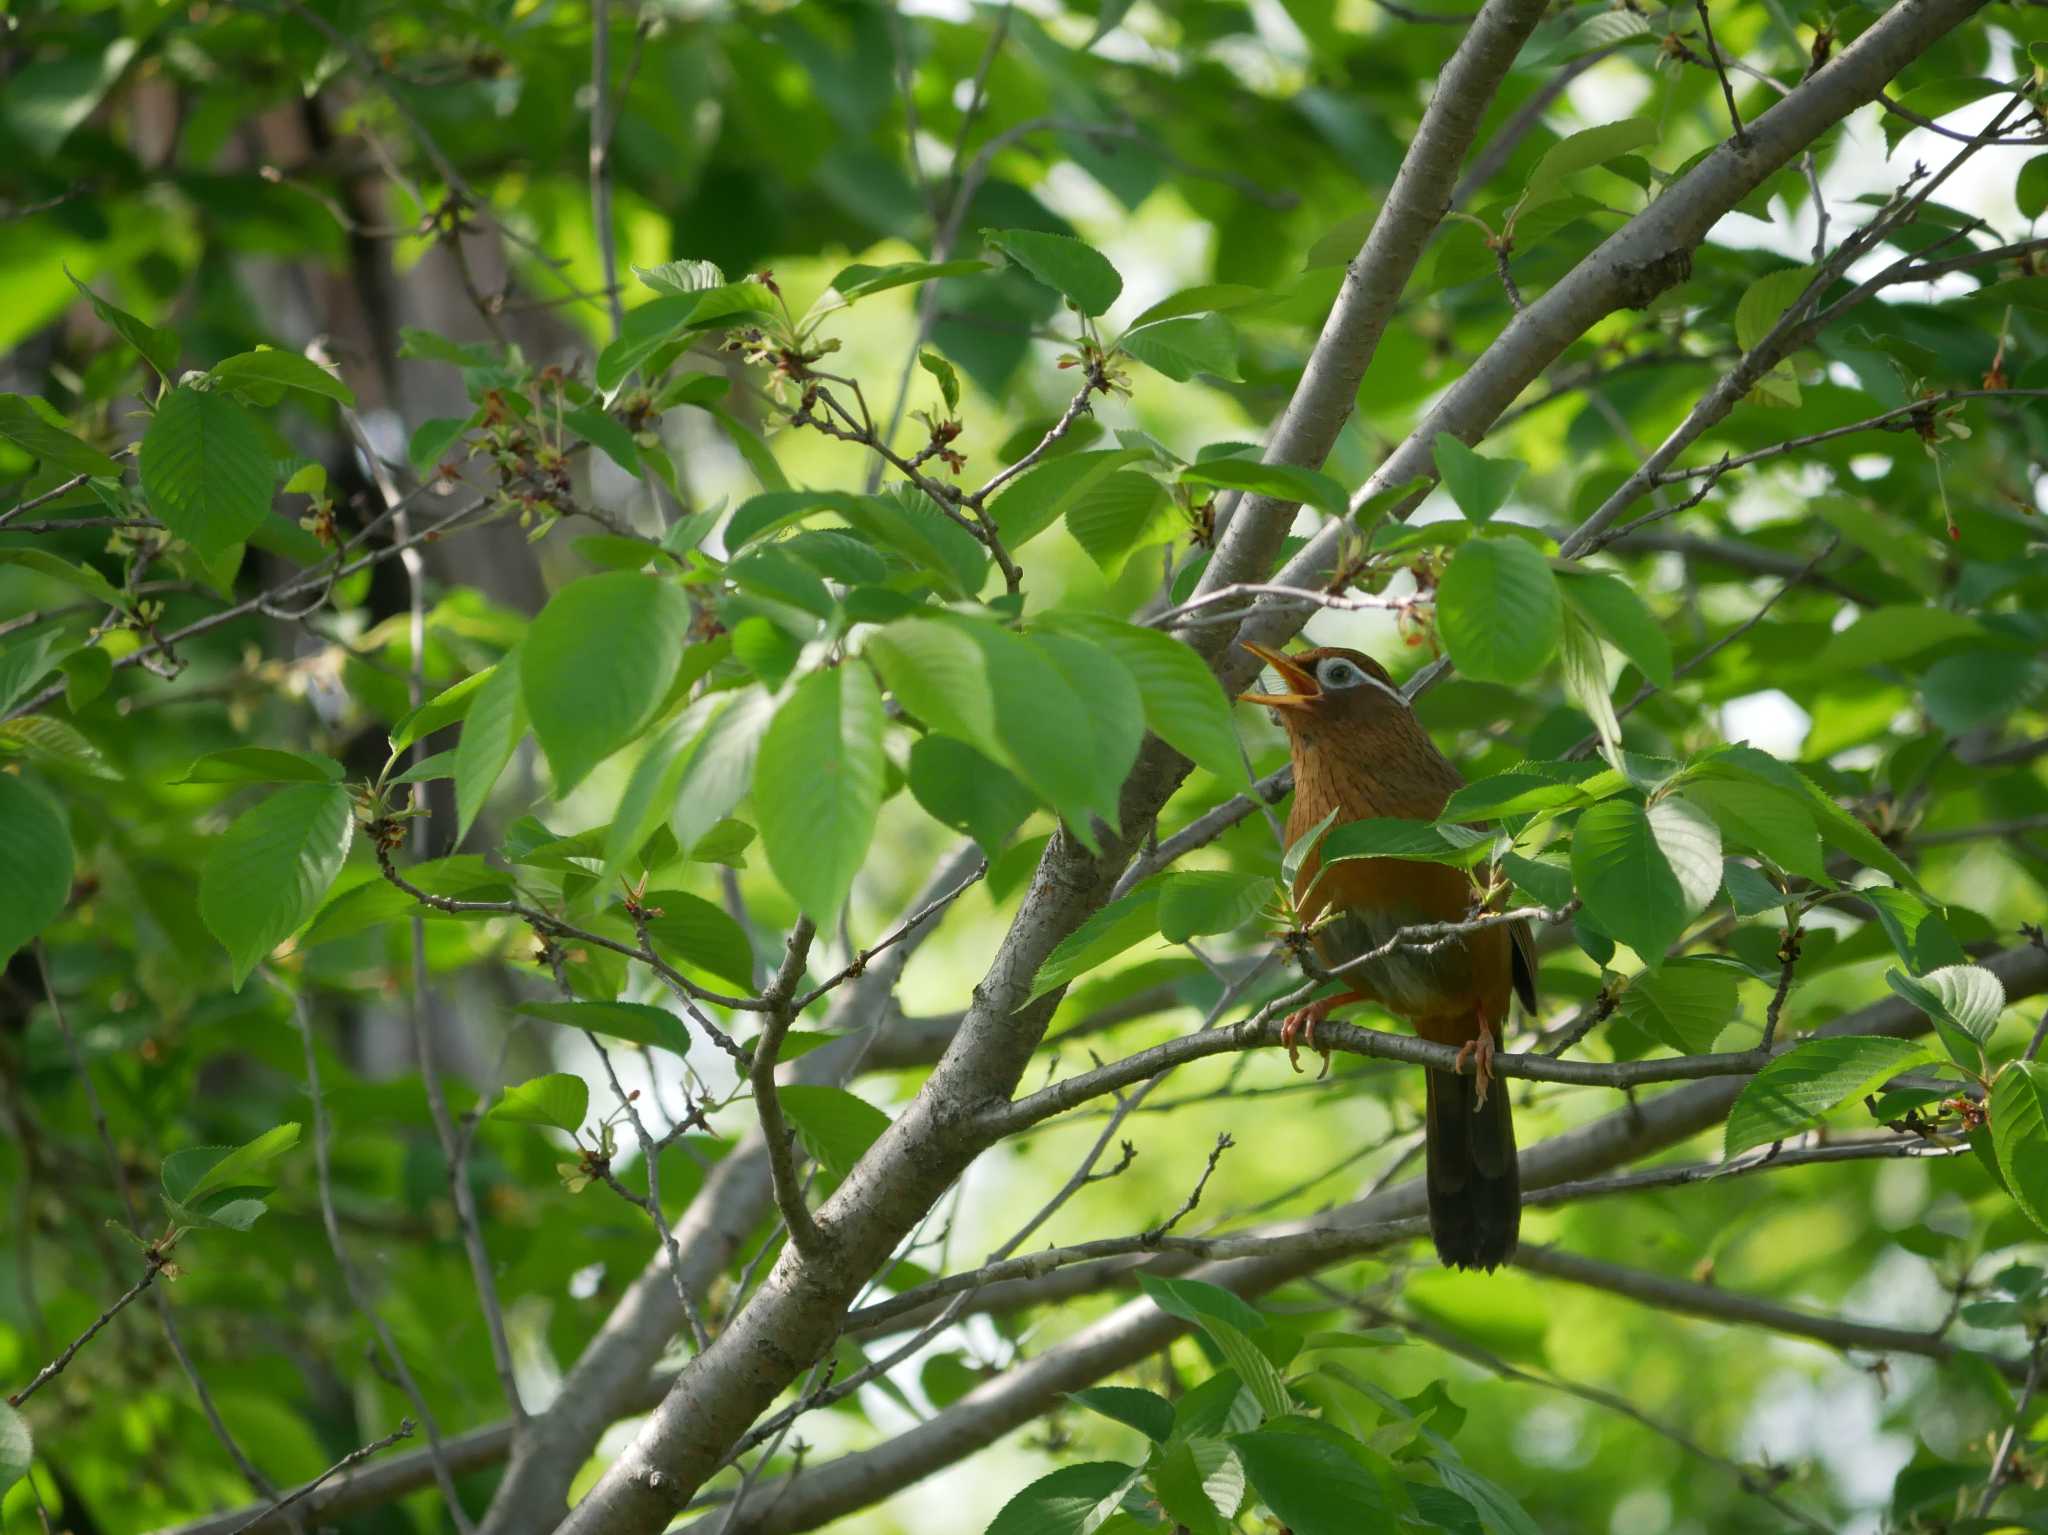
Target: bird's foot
{"type": "Point", "coordinates": [1300, 1029]}
{"type": "Point", "coordinates": [1480, 1050]}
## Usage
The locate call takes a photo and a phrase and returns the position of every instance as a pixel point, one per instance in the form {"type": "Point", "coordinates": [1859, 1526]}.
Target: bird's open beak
{"type": "Point", "coordinates": [1302, 687]}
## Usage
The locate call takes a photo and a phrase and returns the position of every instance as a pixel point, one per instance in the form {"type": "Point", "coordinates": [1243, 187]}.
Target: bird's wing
{"type": "Point", "coordinates": [1523, 960]}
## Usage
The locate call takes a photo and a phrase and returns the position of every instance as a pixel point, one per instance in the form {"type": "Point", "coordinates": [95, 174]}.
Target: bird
{"type": "Point", "coordinates": [1359, 752]}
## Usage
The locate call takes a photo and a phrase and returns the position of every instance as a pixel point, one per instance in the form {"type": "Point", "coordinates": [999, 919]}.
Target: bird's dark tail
{"type": "Point", "coordinates": [1475, 1191]}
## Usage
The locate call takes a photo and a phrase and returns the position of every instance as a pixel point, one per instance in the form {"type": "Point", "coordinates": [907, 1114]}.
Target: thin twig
{"type": "Point", "coordinates": [1721, 69]}
{"type": "Point", "coordinates": [804, 1234]}
{"type": "Point", "coordinates": [154, 1266]}
{"type": "Point", "coordinates": [354, 1457]}
{"type": "Point", "coordinates": [2001, 1463]}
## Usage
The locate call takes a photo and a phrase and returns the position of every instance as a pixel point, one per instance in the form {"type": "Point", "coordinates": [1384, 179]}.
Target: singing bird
{"type": "Point", "coordinates": [1359, 751]}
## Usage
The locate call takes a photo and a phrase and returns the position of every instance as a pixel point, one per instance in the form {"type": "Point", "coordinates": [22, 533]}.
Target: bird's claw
{"type": "Point", "coordinates": [1480, 1050]}
{"type": "Point", "coordinates": [1300, 1029]}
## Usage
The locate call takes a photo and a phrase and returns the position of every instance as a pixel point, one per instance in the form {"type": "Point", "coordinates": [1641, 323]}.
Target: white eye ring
{"type": "Point", "coordinates": [1336, 672]}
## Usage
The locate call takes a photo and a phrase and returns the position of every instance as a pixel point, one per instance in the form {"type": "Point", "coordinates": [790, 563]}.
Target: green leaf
{"type": "Point", "coordinates": [1685, 1004]}
{"type": "Point", "coordinates": [911, 525]}
{"type": "Point", "coordinates": [961, 788]}
{"type": "Point", "coordinates": [1586, 684]}
{"type": "Point", "coordinates": [1316, 1480]}
{"type": "Point", "coordinates": [1546, 882]}
{"type": "Point", "coordinates": [1123, 922]}
{"type": "Point", "coordinates": [596, 664]}
{"type": "Point", "coordinates": [17, 1447]}
{"type": "Point", "coordinates": [87, 674]}
{"type": "Point", "coordinates": [1423, 841]}
{"type": "Point", "coordinates": [768, 572]}
{"type": "Point", "coordinates": [35, 863]}
{"type": "Point", "coordinates": [1113, 517]}
{"type": "Point", "coordinates": [1074, 1500]}
{"type": "Point", "coordinates": [432, 439]}
{"type": "Point", "coordinates": [1645, 873]}
{"type": "Point", "coordinates": [1749, 890]}
{"type": "Point", "coordinates": [657, 323]}
{"type": "Point", "coordinates": [942, 372]}
{"type": "Point", "coordinates": [1893, 634]}
{"type": "Point", "coordinates": [634, 1021]}
{"type": "Point", "coordinates": [191, 1175]}
{"type": "Point", "coordinates": [158, 346]}
{"type": "Point", "coordinates": [1077, 271]}
{"type": "Point", "coordinates": [818, 785]}
{"type": "Point", "coordinates": [46, 739]}
{"type": "Point", "coordinates": [1185, 706]}
{"type": "Point", "coordinates": [1623, 618]}
{"type": "Point", "coordinates": [721, 767]}
{"type": "Point", "coordinates": [448, 707]}
{"type": "Point", "coordinates": [1198, 1301]}
{"type": "Point", "coordinates": [268, 873]}
{"type": "Point", "coordinates": [1963, 1001]}
{"type": "Point", "coordinates": [1146, 1411]}
{"type": "Point", "coordinates": [1510, 793]}
{"type": "Point", "coordinates": [1200, 901]}
{"type": "Point", "coordinates": [266, 372]}
{"type": "Point", "coordinates": [684, 276]}
{"type": "Point", "coordinates": [1583, 151]}
{"type": "Point", "coordinates": [694, 929]}
{"type": "Point", "coordinates": [859, 281]}
{"type": "Point", "coordinates": [1499, 611]}
{"type": "Point", "coordinates": [836, 1126]}
{"type": "Point", "coordinates": [1182, 347]}
{"type": "Point", "coordinates": [1764, 819]}
{"type": "Point", "coordinates": [206, 469]}
{"type": "Point", "coordinates": [1795, 1090]}
{"type": "Point", "coordinates": [2031, 189]}
{"type": "Point", "coordinates": [556, 1101]}
{"type": "Point", "coordinates": [1480, 486]}
{"type": "Point", "coordinates": [41, 439]}
{"type": "Point", "coordinates": [1764, 302]}
{"type": "Point", "coordinates": [1962, 692]}
{"type": "Point", "coordinates": [359, 907]}
{"type": "Point", "coordinates": [606, 432]}
{"type": "Point", "coordinates": [1042, 494]}
{"type": "Point", "coordinates": [84, 577]}
{"type": "Point", "coordinates": [1279, 482]}
{"type": "Point", "coordinates": [262, 764]}
{"type": "Point", "coordinates": [2019, 1131]}
{"type": "Point", "coordinates": [491, 731]}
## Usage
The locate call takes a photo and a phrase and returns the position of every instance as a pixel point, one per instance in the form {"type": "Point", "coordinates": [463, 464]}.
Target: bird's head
{"type": "Point", "coordinates": [1330, 688]}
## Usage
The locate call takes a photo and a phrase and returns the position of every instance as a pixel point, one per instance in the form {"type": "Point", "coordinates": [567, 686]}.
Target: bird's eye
{"type": "Point", "coordinates": [1339, 673]}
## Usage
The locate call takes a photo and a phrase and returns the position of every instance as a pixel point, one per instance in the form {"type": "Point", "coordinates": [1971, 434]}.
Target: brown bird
{"type": "Point", "coordinates": [1359, 751]}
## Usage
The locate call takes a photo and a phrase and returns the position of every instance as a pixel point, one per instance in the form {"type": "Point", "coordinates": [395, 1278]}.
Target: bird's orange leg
{"type": "Point", "coordinates": [1479, 1049]}
{"type": "Point", "coordinates": [1300, 1027]}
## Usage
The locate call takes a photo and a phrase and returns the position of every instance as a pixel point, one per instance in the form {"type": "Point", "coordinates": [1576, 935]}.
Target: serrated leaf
{"type": "Point", "coordinates": [447, 707]}
{"type": "Point", "coordinates": [46, 739]}
{"type": "Point", "coordinates": [597, 663]}
{"type": "Point", "coordinates": [266, 372]}
{"type": "Point", "coordinates": [1044, 493]}
{"type": "Point", "coordinates": [634, 1021]}
{"type": "Point", "coordinates": [818, 784]}
{"type": "Point", "coordinates": [1184, 704]}
{"type": "Point", "coordinates": [1764, 819]}
{"type": "Point", "coordinates": [262, 764]}
{"type": "Point", "coordinates": [1184, 346]}
{"type": "Point", "coordinates": [943, 374]}
{"type": "Point", "coordinates": [17, 1447]}
{"type": "Point", "coordinates": [158, 346]}
{"type": "Point", "coordinates": [1075, 270]}
{"type": "Point", "coordinates": [1584, 150]}
{"type": "Point", "coordinates": [1793, 1092]}
{"type": "Point", "coordinates": [2019, 1132]}
{"type": "Point", "coordinates": [961, 788]}
{"type": "Point", "coordinates": [1645, 873]}
{"type": "Point", "coordinates": [1146, 1411]}
{"type": "Point", "coordinates": [269, 872]}
{"type": "Point", "coordinates": [1684, 1004]}
{"type": "Point", "coordinates": [491, 730]}
{"type": "Point", "coordinates": [1586, 684]}
{"type": "Point", "coordinates": [1074, 1500]}
{"type": "Point", "coordinates": [1623, 619]}
{"type": "Point", "coordinates": [1480, 486]}
{"type": "Point", "coordinates": [557, 1101]}
{"type": "Point", "coordinates": [1280, 482]}
{"type": "Point", "coordinates": [836, 1126]}
{"type": "Point", "coordinates": [206, 470]}
{"type": "Point", "coordinates": [1391, 837]}
{"type": "Point", "coordinates": [1196, 902]}
{"type": "Point", "coordinates": [1316, 1480]}
{"type": "Point", "coordinates": [1123, 922]}
{"type": "Point", "coordinates": [35, 863]}
{"type": "Point", "coordinates": [694, 929]}
{"type": "Point", "coordinates": [1499, 611]}
{"type": "Point", "coordinates": [41, 439]}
